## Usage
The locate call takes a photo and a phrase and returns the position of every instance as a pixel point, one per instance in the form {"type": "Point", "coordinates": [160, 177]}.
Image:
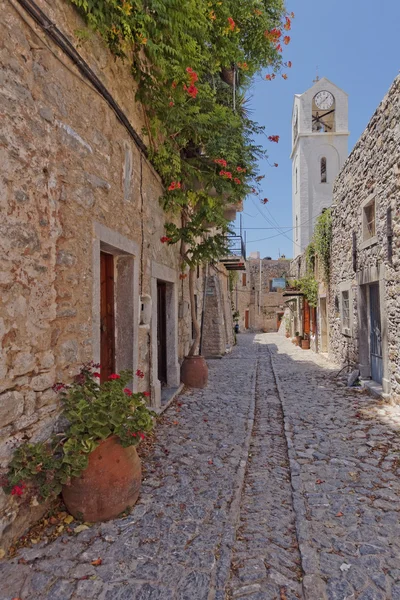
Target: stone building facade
{"type": "Point", "coordinates": [81, 224]}
{"type": "Point", "coordinates": [258, 301]}
{"type": "Point", "coordinates": [364, 307]}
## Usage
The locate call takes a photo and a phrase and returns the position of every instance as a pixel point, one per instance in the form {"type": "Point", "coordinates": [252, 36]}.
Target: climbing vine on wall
{"type": "Point", "coordinates": [322, 240]}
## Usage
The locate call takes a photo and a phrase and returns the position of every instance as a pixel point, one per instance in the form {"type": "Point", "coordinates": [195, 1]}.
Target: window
{"type": "Point", "coordinates": [323, 169]}
{"type": "Point", "coordinates": [277, 284]}
{"type": "Point", "coordinates": [244, 279]}
{"type": "Point", "coordinates": [369, 220]}
{"type": "Point", "coordinates": [345, 310]}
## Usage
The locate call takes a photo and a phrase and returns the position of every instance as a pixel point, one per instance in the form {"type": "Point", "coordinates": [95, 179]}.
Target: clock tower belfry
{"type": "Point", "coordinates": [319, 149]}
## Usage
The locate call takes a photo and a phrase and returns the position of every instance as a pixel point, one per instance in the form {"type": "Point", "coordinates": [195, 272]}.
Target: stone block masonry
{"type": "Point", "coordinates": [69, 170]}
{"type": "Point", "coordinates": [369, 187]}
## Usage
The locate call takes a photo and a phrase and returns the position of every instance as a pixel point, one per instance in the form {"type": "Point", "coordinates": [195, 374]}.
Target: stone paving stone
{"type": "Point", "coordinates": [177, 536]}
{"type": "Point", "coordinates": [276, 483]}
{"type": "Point", "coordinates": [355, 520]}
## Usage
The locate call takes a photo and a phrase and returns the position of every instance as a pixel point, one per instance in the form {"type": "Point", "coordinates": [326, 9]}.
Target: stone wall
{"type": "Point", "coordinates": [73, 181]}
{"type": "Point", "coordinates": [372, 172]}
{"type": "Point", "coordinates": [217, 329]}
{"type": "Point", "coordinates": [263, 309]}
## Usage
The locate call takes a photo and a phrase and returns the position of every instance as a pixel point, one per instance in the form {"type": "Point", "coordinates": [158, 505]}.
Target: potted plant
{"type": "Point", "coordinates": [305, 342]}
{"type": "Point", "coordinates": [93, 461]}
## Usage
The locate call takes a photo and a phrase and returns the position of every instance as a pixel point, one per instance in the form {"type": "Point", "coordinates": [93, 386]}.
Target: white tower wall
{"type": "Point", "coordinates": [309, 194]}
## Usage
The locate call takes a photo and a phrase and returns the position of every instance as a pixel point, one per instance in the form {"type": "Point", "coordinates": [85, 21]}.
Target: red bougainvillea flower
{"type": "Point", "coordinates": [264, 200]}
{"type": "Point", "coordinates": [275, 164]}
{"type": "Point", "coordinates": [232, 24]}
{"type": "Point", "coordinates": [114, 376]}
{"type": "Point", "coordinates": [128, 392]}
{"type": "Point", "coordinates": [141, 435]}
{"type": "Point", "coordinates": [174, 185]}
{"type": "Point", "coordinates": [174, 84]}
{"type": "Point", "coordinates": [147, 394]}
{"type": "Point", "coordinates": [192, 75]}
{"type": "Point", "coordinates": [171, 103]}
{"type": "Point", "coordinates": [288, 24]}
{"type": "Point", "coordinates": [226, 174]}
{"type": "Point", "coordinates": [274, 35]}
{"type": "Point", "coordinates": [165, 239]}
{"type": "Point", "coordinates": [273, 138]}
{"type": "Point", "coordinates": [278, 48]}
{"type": "Point", "coordinates": [96, 375]}
{"type": "Point", "coordinates": [140, 374]}
{"type": "Point", "coordinates": [133, 434]}
{"type": "Point", "coordinates": [240, 170]}
{"type": "Point", "coordinates": [191, 90]}
{"type": "Point", "coordinates": [284, 76]}
{"type": "Point", "coordinates": [237, 181]}
{"type": "Point", "coordinates": [286, 40]}
{"type": "Point", "coordinates": [18, 490]}
{"type": "Point", "coordinates": [221, 161]}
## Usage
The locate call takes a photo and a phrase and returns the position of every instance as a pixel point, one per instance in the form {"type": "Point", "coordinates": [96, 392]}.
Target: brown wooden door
{"type": "Point", "coordinates": [162, 331]}
{"type": "Point", "coordinates": [306, 317]}
{"type": "Point", "coordinates": [107, 316]}
{"type": "Point", "coordinates": [246, 319]}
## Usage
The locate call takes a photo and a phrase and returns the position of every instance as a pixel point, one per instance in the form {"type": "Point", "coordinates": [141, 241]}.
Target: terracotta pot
{"type": "Point", "coordinates": [194, 371]}
{"type": "Point", "coordinates": [305, 344]}
{"type": "Point", "coordinates": [228, 75]}
{"type": "Point", "coordinates": [108, 486]}
{"type": "Point", "coordinates": [298, 339]}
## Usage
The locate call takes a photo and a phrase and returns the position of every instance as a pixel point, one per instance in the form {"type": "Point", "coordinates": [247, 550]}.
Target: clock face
{"type": "Point", "coordinates": [324, 100]}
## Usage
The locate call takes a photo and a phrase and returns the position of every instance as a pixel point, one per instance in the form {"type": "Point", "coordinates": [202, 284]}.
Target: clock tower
{"type": "Point", "coordinates": [319, 149]}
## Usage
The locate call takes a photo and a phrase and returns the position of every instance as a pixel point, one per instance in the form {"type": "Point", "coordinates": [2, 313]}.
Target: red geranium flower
{"type": "Point", "coordinates": [165, 239]}
{"type": "Point", "coordinates": [114, 376]}
{"type": "Point", "coordinates": [96, 375]}
{"type": "Point", "coordinates": [140, 374]}
{"type": "Point", "coordinates": [128, 392]}
{"type": "Point", "coordinates": [273, 138]}
{"type": "Point", "coordinates": [237, 181]}
{"type": "Point", "coordinates": [147, 394]}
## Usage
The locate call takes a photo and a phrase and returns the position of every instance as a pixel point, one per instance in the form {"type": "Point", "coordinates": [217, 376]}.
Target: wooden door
{"type": "Point", "coordinates": [162, 331]}
{"type": "Point", "coordinates": [246, 319]}
{"type": "Point", "coordinates": [107, 316]}
{"type": "Point", "coordinates": [306, 317]}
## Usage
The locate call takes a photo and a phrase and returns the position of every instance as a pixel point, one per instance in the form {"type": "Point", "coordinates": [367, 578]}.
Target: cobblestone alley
{"type": "Point", "coordinates": [274, 483]}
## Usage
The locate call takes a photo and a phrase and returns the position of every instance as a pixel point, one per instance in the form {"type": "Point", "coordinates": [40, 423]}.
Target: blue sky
{"type": "Point", "coordinates": [356, 44]}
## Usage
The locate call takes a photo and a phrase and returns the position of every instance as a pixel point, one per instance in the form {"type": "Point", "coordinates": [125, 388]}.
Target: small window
{"type": "Point", "coordinates": [345, 311]}
{"type": "Point", "coordinates": [369, 221]}
{"type": "Point", "coordinates": [323, 169]}
{"type": "Point", "coordinates": [244, 279]}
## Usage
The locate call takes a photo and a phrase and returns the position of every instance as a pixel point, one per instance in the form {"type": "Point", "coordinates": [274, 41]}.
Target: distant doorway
{"type": "Point", "coordinates": [246, 318]}
{"type": "Point", "coordinates": [162, 331]}
{"type": "Point", "coordinates": [279, 318]}
{"type": "Point", "coordinates": [107, 316]}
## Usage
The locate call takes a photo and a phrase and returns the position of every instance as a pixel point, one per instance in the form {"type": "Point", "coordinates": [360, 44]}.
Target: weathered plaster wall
{"type": "Point", "coordinates": [66, 164]}
{"type": "Point", "coordinates": [371, 171]}
{"type": "Point", "coordinates": [217, 329]}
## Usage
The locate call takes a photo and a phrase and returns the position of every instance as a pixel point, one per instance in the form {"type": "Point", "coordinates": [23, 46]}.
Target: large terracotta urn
{"type": "Point", "coordinates": [108, 486]}
{"type": "Point", "coordinates": [194, 371]}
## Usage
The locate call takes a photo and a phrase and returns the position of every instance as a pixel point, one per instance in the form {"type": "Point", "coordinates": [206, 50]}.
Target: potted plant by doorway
{"type": "Point", "coordinates": [297, 338]}
{"type": "Point", "coordinates": [93, 462]}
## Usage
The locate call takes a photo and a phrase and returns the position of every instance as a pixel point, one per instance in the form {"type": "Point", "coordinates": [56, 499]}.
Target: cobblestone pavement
{"type": "Point", "coordinates": [274, 483]}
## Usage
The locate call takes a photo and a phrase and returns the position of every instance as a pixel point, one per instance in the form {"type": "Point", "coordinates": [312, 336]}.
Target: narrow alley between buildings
{"type": "Point", "coordinates": [274, 482]}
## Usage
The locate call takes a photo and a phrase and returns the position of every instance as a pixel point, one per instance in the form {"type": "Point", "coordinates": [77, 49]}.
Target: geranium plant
{"type": "Point", "coordinates": [93, 412]}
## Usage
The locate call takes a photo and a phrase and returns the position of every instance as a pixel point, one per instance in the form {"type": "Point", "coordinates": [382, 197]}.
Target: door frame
{"type": "Point", "coordinates": [169, 276]}
{"type": "Point", "coordinates": [365, 277]}
{"type": "Point", "coordinates": [126, 296]}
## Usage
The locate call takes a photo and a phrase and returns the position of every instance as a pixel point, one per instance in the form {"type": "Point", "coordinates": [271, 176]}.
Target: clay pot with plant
{"type": "Point", "coordinates": [93, 462]}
